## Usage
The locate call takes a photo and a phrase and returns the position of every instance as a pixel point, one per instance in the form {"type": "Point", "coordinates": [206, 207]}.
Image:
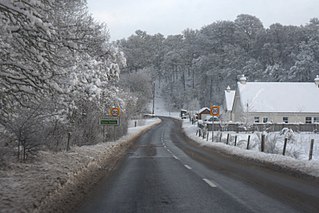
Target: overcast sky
{"type": "Point", "coordinates": [171, 17]}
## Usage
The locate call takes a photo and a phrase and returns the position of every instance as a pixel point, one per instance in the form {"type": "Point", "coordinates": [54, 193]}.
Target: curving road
{"type": "Point", "coordinates": [166, 172]}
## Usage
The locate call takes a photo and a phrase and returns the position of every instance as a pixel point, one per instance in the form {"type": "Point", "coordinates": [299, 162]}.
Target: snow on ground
{"type": "Point", "coordinates": [35, 187]}
{"type": "Point", "coordinates": [297, 151]}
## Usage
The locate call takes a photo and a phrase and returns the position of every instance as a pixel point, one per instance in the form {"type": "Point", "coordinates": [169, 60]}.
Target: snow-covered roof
{"type": "Point", "coordinates": [203, 109]}
{"type": "Point", "coordinates": [229, 99]}
{"type": "Point", "coordinates": [279, 96]}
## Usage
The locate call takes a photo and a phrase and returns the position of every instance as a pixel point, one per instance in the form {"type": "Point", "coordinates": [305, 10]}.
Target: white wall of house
{"type": "Point", "coordinates": [285, 117]}
{"type": "Point", "coordinates": [227, 116]}
{"type": "Point", "coordinates": [228, 104]}
{"type": "Point", "coordinates": [237, 112]}
{"type": "Point", "coordinates": [204, 116]}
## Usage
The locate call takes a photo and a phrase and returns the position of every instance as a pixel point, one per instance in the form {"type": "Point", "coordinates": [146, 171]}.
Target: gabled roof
{"type": "Point", "coordinates": [279, 96]}
{"type": "Point", "coordinates": [229, 98]}
{"type": "Point", "coordinates": [203, 109]}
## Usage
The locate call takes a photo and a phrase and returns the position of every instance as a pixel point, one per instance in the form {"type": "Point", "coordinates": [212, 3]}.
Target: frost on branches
{"type": "Point", "coordinates": [57, 72]}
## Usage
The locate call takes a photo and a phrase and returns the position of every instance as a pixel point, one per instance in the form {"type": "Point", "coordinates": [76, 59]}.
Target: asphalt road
{"type": "Point", "coordinates": [167, 172]}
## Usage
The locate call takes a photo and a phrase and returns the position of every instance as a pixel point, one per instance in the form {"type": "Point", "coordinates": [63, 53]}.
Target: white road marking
{"type": "Point", "coordinates": [210, 183]}
{"type": "Point", "coordinates": [175, 157]}
{"type": "Point", "coordinates": [188, 167]}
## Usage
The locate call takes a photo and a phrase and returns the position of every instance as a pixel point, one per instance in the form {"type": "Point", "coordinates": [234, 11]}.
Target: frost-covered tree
{"type": "Point", "coordinates": [56, 60]}
{"type": "Point", "coordinates": [139, 85]}
{"type": "Point", "coordinates": [48, 46]}
{"type": "Point", "coordinates": [28, 58]}
{"type": "Point", "coordinates": [305, 66]}
{"type": "Point", "coordinates": [249, 29]}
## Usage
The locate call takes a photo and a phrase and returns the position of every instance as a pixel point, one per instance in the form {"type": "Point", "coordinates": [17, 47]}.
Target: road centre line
{"type": "Point", "coordinates": [210, 183]}
{"type": "Point", "coordinates": [188, 167]}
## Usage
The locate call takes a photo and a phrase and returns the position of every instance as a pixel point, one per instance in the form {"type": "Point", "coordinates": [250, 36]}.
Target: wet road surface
{"type": "Point", "coordinates": [166, 172]}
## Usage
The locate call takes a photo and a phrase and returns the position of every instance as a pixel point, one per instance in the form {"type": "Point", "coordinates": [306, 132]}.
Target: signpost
{"type": "Point", "coordinates": [115, 112]}
{"type": "Point", "coordinates": [214, 111]}
{"type": "Point", "coordinates": [111, 121]}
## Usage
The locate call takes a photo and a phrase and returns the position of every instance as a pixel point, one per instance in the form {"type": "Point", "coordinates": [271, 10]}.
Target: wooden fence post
{"type": "Point", "coordinates": [227, 140]}
{"type": "Point", "coordinates": [207, 135]}
{"type": "Point", "coordinates": [213, 131]}
{"type": "Point", "coordinates": [311, 149]}
{"type": "Point", "coordinates": [68, 143]}
{"type": "Point", "coordinates": [104, 138]}
{"type": "Point", "coordinates": [220, 138]}
{"type": "Point", "coordinates": [235, 140]}
{"type": "Point", "coordinates": [262, 143]}
{"type": "Point", "coordinates": [248, 141]}
{"type": "Point", "coordinates": [285, 145]}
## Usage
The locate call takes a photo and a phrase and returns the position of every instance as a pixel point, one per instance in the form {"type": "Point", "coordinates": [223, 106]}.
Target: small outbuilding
{"type": "Point", "coordinates": [203, 113]}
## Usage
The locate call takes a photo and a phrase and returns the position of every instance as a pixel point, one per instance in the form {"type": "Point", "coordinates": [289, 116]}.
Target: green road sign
{"type": "Point", "coordinates": [110, 121]}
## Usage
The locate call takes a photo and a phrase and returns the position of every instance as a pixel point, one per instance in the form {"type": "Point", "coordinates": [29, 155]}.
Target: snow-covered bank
{"type": "Point", "coordinates": [302, 166]}
{"type": "Point", "coordinates": [59, 180]}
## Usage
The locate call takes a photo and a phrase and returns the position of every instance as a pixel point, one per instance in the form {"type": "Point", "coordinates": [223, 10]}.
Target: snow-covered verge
{"type": "Point", "coordinates": [300, 166]}
{"type": "Point", "coordinates": [57, 181]}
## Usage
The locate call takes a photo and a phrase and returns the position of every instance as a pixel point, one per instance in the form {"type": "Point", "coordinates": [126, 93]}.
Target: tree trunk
{"type": "Point", "coordinates": [211, 90]}
{"type": "Point", "coordinates": [24, 151]}
{"type": "Point", "coordinates": [184, 80]}
{"type": "Point", "coordinates": [19, 144]}
{"type": "Point", "coordinates": [193, 79]}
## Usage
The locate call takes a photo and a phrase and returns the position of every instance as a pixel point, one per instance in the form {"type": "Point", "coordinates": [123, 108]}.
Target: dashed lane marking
{"type": "Point", "coordinates": [175, 157]}
{"type": "Point", "coordinates": [188, 167]}
{"type": "Point", "coordinates": [210, 183]}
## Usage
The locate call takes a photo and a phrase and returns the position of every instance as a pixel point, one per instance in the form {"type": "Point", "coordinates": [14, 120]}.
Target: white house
{"type": "Point", "coordinates": [228, 104]}
{"type": "Point", "coordinates": [276, 102]}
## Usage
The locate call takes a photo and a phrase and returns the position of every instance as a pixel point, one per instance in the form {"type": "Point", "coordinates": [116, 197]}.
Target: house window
{"type": "Point", "coordinates": [308, 120]}
{"type": "Point", "coordinates": [316, 119]}
{"type": "Point", "coordinates": [285, 119]}
{"type": "Point", "coordinates": [256, 119]}
{"type": "Point", "coordinates": [265, 120]}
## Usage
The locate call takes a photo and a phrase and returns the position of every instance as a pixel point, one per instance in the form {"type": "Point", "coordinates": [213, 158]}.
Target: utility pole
{"type": "Point", "coordinates": [153, 91]}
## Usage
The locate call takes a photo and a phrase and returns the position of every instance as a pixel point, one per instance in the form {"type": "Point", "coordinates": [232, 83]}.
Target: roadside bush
{"type": "Point", "coordinates": [23, 132]}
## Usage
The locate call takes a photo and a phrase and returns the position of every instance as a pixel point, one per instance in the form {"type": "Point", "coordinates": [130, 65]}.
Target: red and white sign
{"type": "Point", "coordinates": [215, 111]}
{"type": "Point", "coordinates": [115, 112]}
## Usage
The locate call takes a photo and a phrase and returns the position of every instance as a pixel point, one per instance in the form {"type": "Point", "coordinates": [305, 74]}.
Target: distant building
{"type": "Point", "coordinates": [275, 102]}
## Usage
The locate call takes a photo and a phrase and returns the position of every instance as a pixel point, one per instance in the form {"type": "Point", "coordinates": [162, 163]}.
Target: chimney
{"type": "Point", "coordinates": [317, 80]}
{"type": "Point", "coordinates": [242, 79]}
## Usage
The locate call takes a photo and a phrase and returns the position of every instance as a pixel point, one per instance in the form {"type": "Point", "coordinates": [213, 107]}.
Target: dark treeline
{"type": "Point", "coordinates": [196, 66]}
